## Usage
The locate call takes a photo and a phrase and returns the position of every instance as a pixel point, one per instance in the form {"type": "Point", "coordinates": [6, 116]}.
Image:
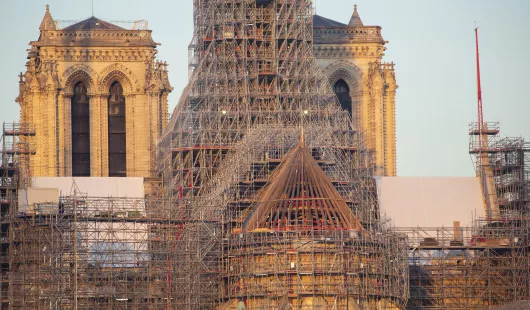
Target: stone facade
{"type": "Point", "coordinates": [98, 55]}
{"type": "Point", "coordinates": [353, 54]}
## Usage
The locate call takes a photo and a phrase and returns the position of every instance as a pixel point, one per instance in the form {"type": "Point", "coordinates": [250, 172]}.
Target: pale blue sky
{"type": "Point", "coordinates": [431, 42]}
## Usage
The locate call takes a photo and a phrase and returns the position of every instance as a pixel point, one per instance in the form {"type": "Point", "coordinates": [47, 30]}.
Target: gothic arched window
{"type": "Point", "coordinates": [343, 94]}
{"type": "Point", "coordinates": [117, 141]}
{"type": "Point", "coordinates": [80, 132]}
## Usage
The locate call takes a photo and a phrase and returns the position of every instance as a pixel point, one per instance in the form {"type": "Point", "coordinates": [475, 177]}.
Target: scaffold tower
{"type": "Point", "coordinates": [255, 92]}
{"type": "Point", "coordinates": [17, 147]}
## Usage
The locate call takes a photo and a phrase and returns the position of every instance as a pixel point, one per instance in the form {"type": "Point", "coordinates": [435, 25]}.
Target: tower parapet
{"type": "Point", "coordinates": [351, 56]}
{"type": "Point", "coordinates": [66, 93]}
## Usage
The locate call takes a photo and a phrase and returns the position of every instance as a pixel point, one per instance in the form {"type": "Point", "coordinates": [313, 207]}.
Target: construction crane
{"type": "Point", "coordinates": [484, 169]}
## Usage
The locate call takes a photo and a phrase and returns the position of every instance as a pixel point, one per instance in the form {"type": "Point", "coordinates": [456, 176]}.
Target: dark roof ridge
{"type": "Point", "coordinates": [93, 23]}
{"type": "Point", "coordinates": [322, 22]}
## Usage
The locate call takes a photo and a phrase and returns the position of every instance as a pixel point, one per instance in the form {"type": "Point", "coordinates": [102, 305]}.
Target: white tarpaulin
{"type": "Point", "coordinates": [108, 209]}
{"type": "Point", "coordinates": [94, 186]}
{"type": "Point", "coordinates": [430, 201]}
{"type": "Point", "coordinates": [42, 200]}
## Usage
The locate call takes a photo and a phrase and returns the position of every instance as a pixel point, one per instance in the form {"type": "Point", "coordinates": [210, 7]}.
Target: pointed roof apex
{"type": "Point", "coordinates": [322, 22]}
{"type": "Point", "coordinates": [93, 23]}
{"type": "Point", "coordinates": [47, 22]}
{"type": "Point", "coordinates": [301, 197]}
{"type": "Point", "coordinates": [355, 20]}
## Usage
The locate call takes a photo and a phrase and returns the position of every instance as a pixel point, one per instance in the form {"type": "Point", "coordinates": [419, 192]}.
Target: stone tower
{"type": "Point", "coordinates": [97, 97]}
{"type": "Point", "coordinates": [351, 56]}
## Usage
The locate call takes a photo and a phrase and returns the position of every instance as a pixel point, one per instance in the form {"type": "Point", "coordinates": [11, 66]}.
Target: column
{"type": "Point", "coordinates": [130, 138]}
{"type": "Point", "coordinates": [375, 88]}
{"type": "Point", "coordinates": [97, 117]}
{"type": "Point", "coordinates": [67, 133]}
{"type": "Point", "coordinates": [390, 122]}
{"type": "Point", "coordinates": [357, 106]}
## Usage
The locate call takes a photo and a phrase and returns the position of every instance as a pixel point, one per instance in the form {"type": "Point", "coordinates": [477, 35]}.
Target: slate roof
{"type": "Point", "coordinates": [93, 23]}
{"type": "Point", "coordinates": [322, 22]}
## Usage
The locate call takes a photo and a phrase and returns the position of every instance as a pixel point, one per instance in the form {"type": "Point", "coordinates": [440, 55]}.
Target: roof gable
{"type": "Point", "coordinates": [321, 22]}
{"type": "Point", "coordinates": [93, 23]}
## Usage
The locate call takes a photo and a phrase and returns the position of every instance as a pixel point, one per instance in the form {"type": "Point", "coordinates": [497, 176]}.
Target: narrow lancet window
{"type": "Point", "coordinates": [80, 132]}
{"type": "Point", "coordinates": [343, 94]}
{"type": "Point", "coordinates": [117, 135]}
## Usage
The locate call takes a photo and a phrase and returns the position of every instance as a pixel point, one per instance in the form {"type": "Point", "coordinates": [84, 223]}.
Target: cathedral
{"type": "Point", "coordinates": [257, 192]}
{"type": "Point", "coordinates": [97, 95]}
{"type": "Point", "coordinates": [351, 57]}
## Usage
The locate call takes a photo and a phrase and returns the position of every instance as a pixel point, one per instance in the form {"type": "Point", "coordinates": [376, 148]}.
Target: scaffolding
{"type": "Point", "coordinates": [468, 267]}
{"type": "Point", "coordinates": [487, 264]}
{"type": "Point", "coordinates": [255, 95]}
{"type": "Point", "coordinates": [17, 147]}
{"type": "Point", "coordinates": [82, 252]}
{"type": "Point", "coordinates": [300, 246]}
{"type": "Point", "coordinates": [314, 270]}
{"type": "Point", "coordinates": [95, 253]}
{"type": "Point", "coordinates": [503, 164]}
{"type": "Point", "coordinates": [255, 92]}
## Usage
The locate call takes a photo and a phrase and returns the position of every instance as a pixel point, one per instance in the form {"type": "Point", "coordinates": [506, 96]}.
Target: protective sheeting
{"type": "Point", "coordinates": [42, 200]}
{"type": "Point", "coordinates": [93, 186]}
{"type": "Point", "coordinates": [107, 208]}
{"type": "Point", "coordinates": [116, 244]}
{"type": "Point", "coordinates": [430, 201]}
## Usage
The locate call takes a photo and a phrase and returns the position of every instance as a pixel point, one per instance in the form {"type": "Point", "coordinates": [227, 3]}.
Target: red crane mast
{"type": "Point", "coordinates": [479, 87]}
